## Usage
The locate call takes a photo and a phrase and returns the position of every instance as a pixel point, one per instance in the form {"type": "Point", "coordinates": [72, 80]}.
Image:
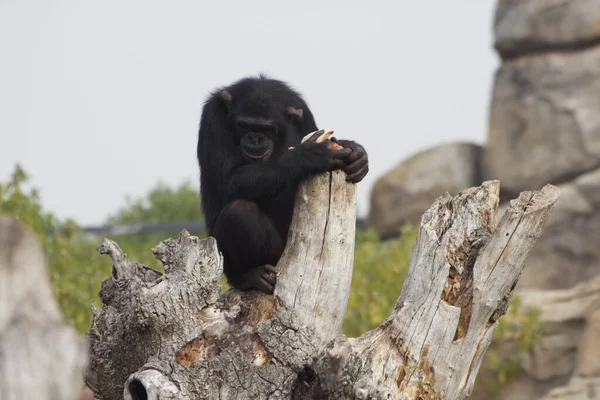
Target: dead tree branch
{"type": "Point", "coordinates": [173, 336]}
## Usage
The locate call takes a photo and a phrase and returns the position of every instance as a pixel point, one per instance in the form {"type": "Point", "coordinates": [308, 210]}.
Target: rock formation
{"type": "Point", "coordinates": [544, 128]}
{"type": "Point", "coordinates": [41, 356]}
{"type": "Point", "coordinates": [404, 193]}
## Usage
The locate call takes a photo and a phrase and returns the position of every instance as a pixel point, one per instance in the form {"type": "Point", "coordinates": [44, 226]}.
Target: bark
{"type": "Point", "coordinates": [41, 356]}
{"type": "Point", "coordinates": [173, 336]}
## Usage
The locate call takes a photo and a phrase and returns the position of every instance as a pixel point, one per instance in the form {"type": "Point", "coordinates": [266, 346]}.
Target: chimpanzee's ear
{"type": "Point", "coordinates": [295, 113]}
{"type": "Point", "coordinates": [226, 97]}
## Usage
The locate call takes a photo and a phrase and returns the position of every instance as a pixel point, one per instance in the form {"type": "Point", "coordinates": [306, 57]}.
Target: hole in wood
{"type": "Point", "coordinates": [137, 390]}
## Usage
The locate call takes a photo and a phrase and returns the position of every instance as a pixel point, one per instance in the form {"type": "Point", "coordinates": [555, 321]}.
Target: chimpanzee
{"type": "Point", "coordinates": [249, 174]}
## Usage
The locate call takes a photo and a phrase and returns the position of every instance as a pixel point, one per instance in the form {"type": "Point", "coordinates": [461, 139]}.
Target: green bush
{"type": "Point", "coordinates": [379, 272]}
{"type": "Point", "coordinates": [162, 204]}
{"type": "Point", "coordinates": [76, 269]}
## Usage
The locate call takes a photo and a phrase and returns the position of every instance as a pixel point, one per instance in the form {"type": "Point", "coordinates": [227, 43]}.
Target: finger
{"type": "Point", "coordinates": [356, 154]}
{"type": "Point", "coordinates": [347, 143]}
{"type": "Point", "coordinates": [358, 175]}
{"type": "Point", "coordinates": [265, 286]}
{"type": "Point", "coordinates": [355, 166]}
{"type": "Point", "coordinates": [343, 153]}
{"type": "Point", "coordinates": [337, 164]}
{"type": "Point", "coordinates": [270, 268]}
{"type": "Point", "coordinates": [269, 277]}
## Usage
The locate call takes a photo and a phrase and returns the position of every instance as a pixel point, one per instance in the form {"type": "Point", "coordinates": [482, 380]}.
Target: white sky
{"type": "Point", "coordinates": [100, 99]}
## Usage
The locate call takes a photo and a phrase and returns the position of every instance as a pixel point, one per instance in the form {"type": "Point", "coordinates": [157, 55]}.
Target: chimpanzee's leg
{"type": "Point", "coordinates": [251, 246]}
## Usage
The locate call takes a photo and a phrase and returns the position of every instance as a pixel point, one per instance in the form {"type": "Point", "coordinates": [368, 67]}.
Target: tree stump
{"type": "Point", "coordinates": [173, 336]}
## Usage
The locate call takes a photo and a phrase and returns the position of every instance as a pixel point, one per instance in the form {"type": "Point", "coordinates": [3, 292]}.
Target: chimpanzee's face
{"type": "Point", "coordinates": [262, 126]}
{"type": "Point", "coordinates": [258, 137]}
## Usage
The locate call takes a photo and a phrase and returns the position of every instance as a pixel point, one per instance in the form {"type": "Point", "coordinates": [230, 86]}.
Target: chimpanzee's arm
{"type": "Point", "coordinates": [268, 178]}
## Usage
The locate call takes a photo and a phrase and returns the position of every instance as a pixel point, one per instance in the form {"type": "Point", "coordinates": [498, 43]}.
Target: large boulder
{"type": "Point", "coordinates": [531, 26]}
{"type": "Point", "coordinates": [545, 128]}
{"type": "Point", "coordinates": [544, 120]}
{"type": "Point", "coordinates": [405, 192]}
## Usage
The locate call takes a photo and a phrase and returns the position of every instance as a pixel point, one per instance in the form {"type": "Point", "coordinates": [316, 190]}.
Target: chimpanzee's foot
{"type": "Point", "coordinates": [262, 278]}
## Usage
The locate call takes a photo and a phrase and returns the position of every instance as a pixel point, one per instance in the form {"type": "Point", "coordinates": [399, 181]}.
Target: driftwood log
{"type": "Point", "coordinates": [41, 356]}
{"type": "Point", "coordinates": [173, 336]}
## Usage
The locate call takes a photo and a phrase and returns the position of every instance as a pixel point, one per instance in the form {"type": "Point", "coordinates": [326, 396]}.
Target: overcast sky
{"type": "Point", "coordinates": [101, 99]}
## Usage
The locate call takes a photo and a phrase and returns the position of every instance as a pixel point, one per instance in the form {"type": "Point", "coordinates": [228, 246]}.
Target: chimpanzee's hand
{"type": "Point", "coordinates": [356, 163]}
{"type": "Point", "coordinates": [262, 278]}
{"type": "Point", "coordinates": [322, 158]}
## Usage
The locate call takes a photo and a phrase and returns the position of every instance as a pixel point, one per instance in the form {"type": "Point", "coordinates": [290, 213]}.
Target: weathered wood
{"type": "Point", "coordinates": [41, 357]}
{"type": "Point", "coordinates": [317, 262]}
{"type": "Point", "coordinates": [462, 275]}
{"type": "Point", "coordinates": [175, 328]}
{"type": "Point", "coordinates": [172, 336]}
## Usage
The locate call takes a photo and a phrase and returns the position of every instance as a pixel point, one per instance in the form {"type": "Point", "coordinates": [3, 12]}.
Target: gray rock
{"type": "Point", "coordinates": [41, 355]}
{"type": "Point", "coordinates": [544, 120]}
{"type": "Point", "coordinates": [568, 252]}
{"type": "Point", "coordinates": [588, 349]}
{"type": "Point", "coordinates": [529, 26]}
{"type": "Point", "coordinates": [563, 364]}
{"type": "Point", "coordinates": [405, 192]}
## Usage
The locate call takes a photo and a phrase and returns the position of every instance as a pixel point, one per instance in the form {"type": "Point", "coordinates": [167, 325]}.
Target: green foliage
{"type": "Point", "coordinates": [521, 327]}
{"type": "Point", "coordinates": [75, 268]}
{"type": "Point", "coordinates": [379, 272]}
{"type": "Point", "coordinates": [162, 204]}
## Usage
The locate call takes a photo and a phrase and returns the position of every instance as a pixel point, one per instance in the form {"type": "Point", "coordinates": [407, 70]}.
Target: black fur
{"type": "Point", "coordinates": [248, 201]}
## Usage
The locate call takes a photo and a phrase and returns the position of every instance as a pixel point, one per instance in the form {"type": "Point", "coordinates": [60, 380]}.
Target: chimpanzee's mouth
{"type": "Point", "coordinates": [265, 154]}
